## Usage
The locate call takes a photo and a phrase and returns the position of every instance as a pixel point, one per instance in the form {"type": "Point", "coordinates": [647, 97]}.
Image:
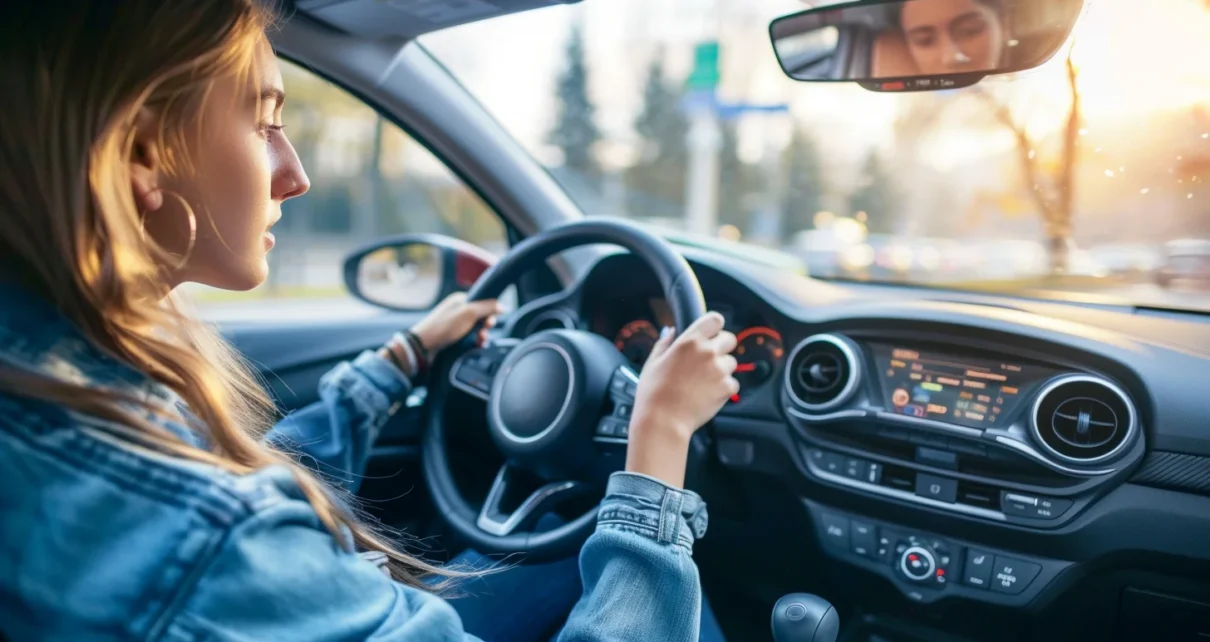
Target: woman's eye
{"type": "Point", "coordinates": [970, 29]}
{"type": "Point", "coordinates": [270, 128]}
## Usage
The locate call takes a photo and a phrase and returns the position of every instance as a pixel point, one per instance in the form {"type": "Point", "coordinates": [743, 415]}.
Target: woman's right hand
{"type": "Point", "coordinates": [685, 382]}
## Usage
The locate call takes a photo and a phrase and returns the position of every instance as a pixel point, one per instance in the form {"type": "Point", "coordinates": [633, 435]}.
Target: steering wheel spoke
{"type": "Point", "coordinates": [509, 485]}
{"type": "Point", "coordinates": [474, 371]}
{"type": "Point", "coordinates": [614, 428]}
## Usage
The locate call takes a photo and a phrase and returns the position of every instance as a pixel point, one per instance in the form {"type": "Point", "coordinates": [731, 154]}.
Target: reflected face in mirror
{"type": "Point", "coordinates": [954, 36]}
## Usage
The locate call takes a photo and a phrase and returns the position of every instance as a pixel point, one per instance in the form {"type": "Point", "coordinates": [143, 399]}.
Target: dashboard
{"type": "Point", "coordinates": [959, 450]}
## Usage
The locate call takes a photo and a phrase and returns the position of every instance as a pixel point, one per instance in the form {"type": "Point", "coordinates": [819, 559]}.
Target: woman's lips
{"type": "Point", "coordinates": [270, 240]}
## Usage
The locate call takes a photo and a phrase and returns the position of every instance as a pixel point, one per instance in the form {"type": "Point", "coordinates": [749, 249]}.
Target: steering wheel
{"type": "Point", "coordinates": [547, 396]}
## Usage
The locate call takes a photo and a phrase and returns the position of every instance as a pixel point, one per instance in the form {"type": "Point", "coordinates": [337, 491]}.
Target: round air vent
{"type": "Point", "coordinates": [823, 372]}
{"type": "Point", "coordinates": [550, 320]}
{"type": "Point", "coordinates": [1082, 419]}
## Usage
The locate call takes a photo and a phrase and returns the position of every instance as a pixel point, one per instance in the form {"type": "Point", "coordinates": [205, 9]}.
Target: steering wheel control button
{"type": "Point", "coordinates": [978, 573]}
{"type": "Point", "coordinates": [917, 564]}
{"type": "Point", "coordinates": [863, 538]}
{"type": "Point", "coordinates": [938, 488]}
{"type": "Point", "coordinates": [855, 469]}
{"type": "Point", "coordinates": [835, 531]}
{"type": "Point", "coordinates": [1033, 507]}
{"type": "Point", "coordinates": [622, 411]}
{"type": "Point", "coordinates": [1012, 576]}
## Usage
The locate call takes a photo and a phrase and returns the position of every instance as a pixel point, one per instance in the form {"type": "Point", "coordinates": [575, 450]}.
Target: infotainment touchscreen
{"type": "Point", "coordinates": [965, 390]}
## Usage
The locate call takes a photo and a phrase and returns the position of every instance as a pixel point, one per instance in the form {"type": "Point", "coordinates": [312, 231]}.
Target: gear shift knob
{"type": "Point", "coordinates": [802, 617]}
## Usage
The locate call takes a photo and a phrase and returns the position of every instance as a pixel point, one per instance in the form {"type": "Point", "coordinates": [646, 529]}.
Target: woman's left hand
{"type": "Point", "coordinates": [453, 318]}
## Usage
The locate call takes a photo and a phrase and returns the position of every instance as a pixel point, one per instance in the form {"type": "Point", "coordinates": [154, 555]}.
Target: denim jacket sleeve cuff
{"type": "Point", "coordinates": [646, 506]}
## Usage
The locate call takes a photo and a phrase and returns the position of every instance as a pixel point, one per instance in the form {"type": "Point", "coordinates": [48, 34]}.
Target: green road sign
{"type": "Point", "coordinates": [705, 73]}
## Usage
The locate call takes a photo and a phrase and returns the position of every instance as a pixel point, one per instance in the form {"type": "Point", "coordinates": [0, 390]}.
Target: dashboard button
{"type": "Point", "coordinates": [938, 458]}
{"type": "Point", "coordinates": [835, 531]}
{"type": "Point", "coordinates": [917, 564]}
{"type": "Point", "coordinates": [978, 569]}
{"type": "Point", "coordinates": [886, 544]}
{"type": "Point", "coordinates": [863, 536]}
{"type": "Point", "coordinates": [1011, 576]}
{"type": "Point", "coordinates": [1048, 508]}
{"type": "Point", "coordinates": [1033, 507]}
{"type": "Point", "coordinates": [967, 447]}
{"type": "Point", "coordinates": [855, 469]}
{"type": "Point", "coordinates": [873, 473]}
{"type": "Point", "coordinates": [832, 463]}
{"type": "Point", "coordinates": [938, 488]}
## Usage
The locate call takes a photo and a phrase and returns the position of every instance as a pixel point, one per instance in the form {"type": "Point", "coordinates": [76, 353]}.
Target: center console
{"type": "Point", "coordinates": [926, 566]}
{"type": "Point", "coordinates": [1026, 440]}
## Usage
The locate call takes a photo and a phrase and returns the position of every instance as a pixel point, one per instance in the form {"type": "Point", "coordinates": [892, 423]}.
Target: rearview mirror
{"type": "Point", "coordinates": [414, 272]}
{"type": "Point", "coordinates": [914, 45]}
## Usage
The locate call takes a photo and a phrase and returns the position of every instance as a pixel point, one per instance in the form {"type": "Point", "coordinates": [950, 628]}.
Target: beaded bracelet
{"type": "Point", "coordinates": [421, 351]}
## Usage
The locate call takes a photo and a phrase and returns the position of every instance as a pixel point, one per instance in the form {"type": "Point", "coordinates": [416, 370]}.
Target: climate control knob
{"type": "Point", "coordinates": [918, 564]}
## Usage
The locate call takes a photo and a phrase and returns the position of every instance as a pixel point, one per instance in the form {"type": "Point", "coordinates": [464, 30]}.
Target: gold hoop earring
{"type": "Point", "coordinates": [192, 227]}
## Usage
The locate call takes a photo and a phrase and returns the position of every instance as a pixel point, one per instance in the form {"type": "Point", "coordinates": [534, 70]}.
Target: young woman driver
{"type": "Point", "coordinates": [143, 493]}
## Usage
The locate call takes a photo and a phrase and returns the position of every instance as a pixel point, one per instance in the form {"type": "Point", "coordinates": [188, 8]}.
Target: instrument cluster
{"type": "Point", "coordinates": [634, 327]}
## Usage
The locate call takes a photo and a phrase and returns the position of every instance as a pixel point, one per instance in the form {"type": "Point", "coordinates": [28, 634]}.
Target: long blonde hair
{"type": "Point", "coordinates": [72, 80]}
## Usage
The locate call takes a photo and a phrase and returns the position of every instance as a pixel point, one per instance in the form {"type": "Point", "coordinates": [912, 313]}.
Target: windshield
{"type": "Point", "coordinates": [1079, 180]}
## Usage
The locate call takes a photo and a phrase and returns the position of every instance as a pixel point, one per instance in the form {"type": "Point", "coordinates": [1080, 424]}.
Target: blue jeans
{"type": "Point", "coordinates": [530, 603]}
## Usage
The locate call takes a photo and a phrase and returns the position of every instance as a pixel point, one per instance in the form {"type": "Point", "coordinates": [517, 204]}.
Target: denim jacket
{"type": "Point", "coordinates": [101, 539]}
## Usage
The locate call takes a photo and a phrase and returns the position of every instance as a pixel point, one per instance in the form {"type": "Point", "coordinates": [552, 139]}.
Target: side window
{"type": "Point", "coordinates": [369, 179]}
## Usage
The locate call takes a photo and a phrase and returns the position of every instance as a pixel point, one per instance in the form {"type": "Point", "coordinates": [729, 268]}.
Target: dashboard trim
{"type": "Point", "coordinates": [1028, 451]}
{"type": "Point", "coordinates": [904, 496]}
{"type": "Point", "coordinates": [1131, 426]}
{"type": "Point", "coordinates": [831, 416]}
{"type": "Point", "coordinates": [963, 431]}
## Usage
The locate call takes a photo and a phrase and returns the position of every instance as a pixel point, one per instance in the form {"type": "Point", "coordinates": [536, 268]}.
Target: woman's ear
{"type": "Point", "coordinates": [145, 163]}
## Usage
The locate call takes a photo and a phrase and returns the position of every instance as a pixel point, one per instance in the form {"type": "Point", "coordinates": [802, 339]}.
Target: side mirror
{"type": "Point", "coordinates": [414, 272]}
{"type": "Point", "coordinates": [915, 45]}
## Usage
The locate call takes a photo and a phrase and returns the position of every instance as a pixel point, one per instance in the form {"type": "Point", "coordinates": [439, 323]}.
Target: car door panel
{"type": "Point", "coordinates": [291, 357]}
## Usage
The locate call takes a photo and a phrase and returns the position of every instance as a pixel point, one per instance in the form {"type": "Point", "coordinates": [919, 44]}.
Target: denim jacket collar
{"type": "Point", "coordinates": [36, 337]}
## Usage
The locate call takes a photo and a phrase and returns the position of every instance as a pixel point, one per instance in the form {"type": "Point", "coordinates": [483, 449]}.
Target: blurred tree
{"type": "Point", "coordinates": [1052, 183]}
{"type": "Point", "coordinates": [659, 173]}
{"type": "Point", "coordinates": [875, 196]}
{"type": "Point", "coordinates": [738, 182]}
{"type": "Point", "coordinates": [575, 132]}
{"type": "Point", "coordinates": [804, 183]}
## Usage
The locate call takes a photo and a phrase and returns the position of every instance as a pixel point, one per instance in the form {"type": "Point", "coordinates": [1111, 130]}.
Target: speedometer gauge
{"type": "Point", "coordinates": [758, 352]}
{"type": "Point", "coordinates": [636, 339]}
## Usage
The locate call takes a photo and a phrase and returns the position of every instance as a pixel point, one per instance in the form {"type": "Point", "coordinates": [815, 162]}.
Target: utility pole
{"type": "Point", "coordinates": [704, 140]}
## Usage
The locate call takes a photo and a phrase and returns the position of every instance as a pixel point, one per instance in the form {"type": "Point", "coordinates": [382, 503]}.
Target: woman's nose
{"type": "Point", "coordinates": [954, 56]}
